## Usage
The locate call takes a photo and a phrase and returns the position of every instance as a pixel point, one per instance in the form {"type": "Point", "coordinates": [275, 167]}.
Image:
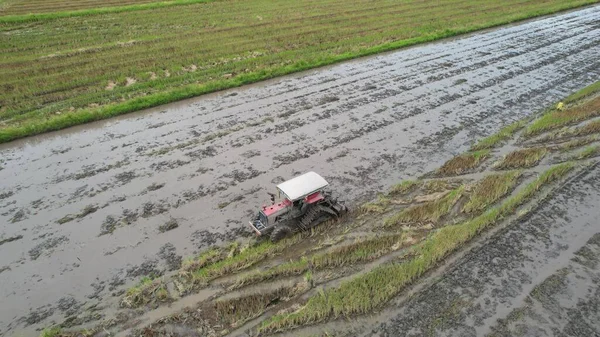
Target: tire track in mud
{"type": "Point", "coordinates": [206, 163]}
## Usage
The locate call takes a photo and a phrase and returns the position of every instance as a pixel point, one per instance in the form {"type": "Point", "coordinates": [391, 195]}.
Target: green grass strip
{"type": "Point", "coordinates": [211, 256]}
{"type": "Point", "coordinates": [583, 93]}
{"type": "Point", "coordinates": [94, 11]}
{"type": "Point", "coordinates": [504, 134]}
{"type": "Point", "coordinates": [562, 117]}
{"type": "Point", "coordinates": [50, 332]}
{"type": "Point", "coordinates": [592, 127]}
{"type": "Point", "coordinates": [209, 265]}
{"type": "Point", "coordinates": [577, 143]}
{"type": "Point", "coordinates": [523, 158]}
{"type": "Point", "coordinates": [236, 311]}
{"type": "Point", "coordinates": [290, 268]}
{"type": "Point", "coordinates": [403, 187]}
{"type": "Point", "coordinates": [430, 211]}
{"type": "Point", "coordinates": [588, 151]}
{"type": "Point", "coordinates": [147, 290]}
{"type": "Point", "coordinates": [361, 251]}
{"type": "Point", "coordinates": [244, 259]}
{"type": "Point", "coordinates": [489, 190]}
{"type": "Point", "coordinates": [373, 289]}
{"type": "Point", "coordinates": [463, 162]}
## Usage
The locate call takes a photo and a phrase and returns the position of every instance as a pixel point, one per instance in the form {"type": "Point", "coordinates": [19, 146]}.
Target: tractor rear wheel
{"type": "Point", "coordinates": [280, 232]}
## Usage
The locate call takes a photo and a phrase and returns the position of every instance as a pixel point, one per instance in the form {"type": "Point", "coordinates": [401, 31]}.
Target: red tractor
{"type": "Point", "coordinates": [305, 204]}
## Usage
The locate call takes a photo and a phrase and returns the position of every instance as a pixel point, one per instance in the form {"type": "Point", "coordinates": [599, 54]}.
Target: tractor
{"type": "Point", "coordinates": [304, 203]}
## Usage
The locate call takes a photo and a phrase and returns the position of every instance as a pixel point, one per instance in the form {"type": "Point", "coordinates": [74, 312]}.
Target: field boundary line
{"type": "Point", "coordinates": [17, 18]}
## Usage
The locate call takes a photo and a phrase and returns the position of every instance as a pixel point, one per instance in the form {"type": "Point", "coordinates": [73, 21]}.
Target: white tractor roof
{"type": "Point", "coordinates": [302, 186]}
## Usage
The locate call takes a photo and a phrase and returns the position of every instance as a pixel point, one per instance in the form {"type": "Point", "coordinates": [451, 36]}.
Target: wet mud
{"type": "Point", "coordinates": [96, 207]}
{"type": "Point", "coordinates": [539, 277]}
{"type": "Point", "coordinates": [566, 303]}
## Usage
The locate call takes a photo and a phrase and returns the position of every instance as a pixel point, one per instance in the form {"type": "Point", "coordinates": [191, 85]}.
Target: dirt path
{"type": "Point", "coordinates": [538, 278]}
{"type": "Point", "coordinates": [83, 211]}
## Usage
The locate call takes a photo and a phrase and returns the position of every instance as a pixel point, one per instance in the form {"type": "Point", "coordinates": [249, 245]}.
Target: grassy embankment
{"type": "Point", "coordinates": [53, 80]}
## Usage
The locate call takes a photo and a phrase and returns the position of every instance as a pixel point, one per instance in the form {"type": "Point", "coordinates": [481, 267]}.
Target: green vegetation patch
{"type": "Point", "coordinates": [588, 129]}
{"type": "Point", "coordinates": [496, 139]}
{"type": "Point", "coordinates": [360, 251]}
{"type": "Point", "coordinates": [438, 185]}
{"type": "Point", "coordinates": [404, 187]}
{"type": "Point", "coordinates": [588, 152]}
{"type": "Point", "coordinates": [383, 201]}
{"type": "Point", "coordinates": [552, 174]}
{"type": "Point", "coordinates": [215, 262]}
{"type": "Point", "coordinates": [51, 81]}
{"type": "Point", "coordinates": [236, 311]}
{"type": "Point", "coordinates": [244, 259]}
{"type": "Point", "coordinates": [463, 163]}
{"type": "Point", "coordinates": [210, 256]}
{"type": "Point", "coordinates": [291, 268]}
{"type": "Point", "coordinates": [209, 265]}
{"type": "Point", "coordinates": [489, 190]}
{"type": "Point", "coordinates": [522, 158]}
{"type": "Point", "coordinates": [148, 290]}
{"type": "Point", "coordinates": [572, 144]}
{"type": "Point", "coordinates": [584, 93]}
{"type": "Point", "coordinates": [378, 206]}
{"type": "Point", "coordinates": [592, 127]}
{"type": "Point", "coordinates": [51, 332]}
{"type": "Point", "coordinates": [369, 291]}
{"type": "Point", "coordinates": [430, 211]}
{"type": "Point", "coordinates": [562, 117]}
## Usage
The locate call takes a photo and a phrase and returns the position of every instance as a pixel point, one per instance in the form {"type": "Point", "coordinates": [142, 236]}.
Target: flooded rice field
{"type": "Point", "coordinates": [87, 211]}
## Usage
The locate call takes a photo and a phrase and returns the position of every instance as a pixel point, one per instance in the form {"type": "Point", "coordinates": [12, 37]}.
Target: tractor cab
{"type": "Point", "coordinates": [296, 195]}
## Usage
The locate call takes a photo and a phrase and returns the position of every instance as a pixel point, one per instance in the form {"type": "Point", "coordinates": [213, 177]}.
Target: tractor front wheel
{"type": "Point", "coordinates": [280, 232]}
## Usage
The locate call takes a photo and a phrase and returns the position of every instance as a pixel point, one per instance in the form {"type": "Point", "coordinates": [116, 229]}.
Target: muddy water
{"type": "Point", "coordinates": [82, 209]}
{"type": "Point", "coordinates": [568, 301]}
{"type": "Point", "coordinates": [545, 266]}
